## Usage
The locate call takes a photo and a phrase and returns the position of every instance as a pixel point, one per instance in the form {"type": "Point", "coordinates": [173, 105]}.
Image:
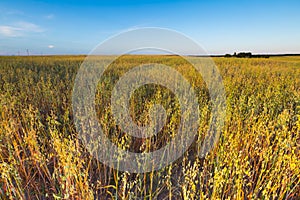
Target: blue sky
{"type": "Point", "coordinates": [76, 27]}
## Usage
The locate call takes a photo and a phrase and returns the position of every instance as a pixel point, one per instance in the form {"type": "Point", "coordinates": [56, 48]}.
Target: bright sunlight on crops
{"type": "Point", "coordinates": [256, 157]}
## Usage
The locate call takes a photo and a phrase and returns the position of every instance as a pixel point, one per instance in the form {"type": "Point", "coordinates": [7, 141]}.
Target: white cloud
{"type": "Point", "coordinates": [19, 29]}
{"type": "Point", "coordinates": [29, 27]}
{"type": "Point", "coordinates": [50, 46]}
{"type": "Point", "coordinates": [10, 31]}
{"type": "Point", "coordinates": [50, 16]}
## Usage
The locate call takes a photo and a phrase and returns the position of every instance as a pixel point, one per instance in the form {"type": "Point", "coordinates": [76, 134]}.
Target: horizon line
{"type": "Point", "coordinates": [190, 55]}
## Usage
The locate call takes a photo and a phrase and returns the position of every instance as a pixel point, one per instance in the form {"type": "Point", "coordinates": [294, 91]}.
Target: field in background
{"type": "Point", "coordinates": [257, 156]}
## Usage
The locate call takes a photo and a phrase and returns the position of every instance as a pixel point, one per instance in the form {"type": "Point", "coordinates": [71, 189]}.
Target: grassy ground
{"type": "Point", "coordinates": [257, 156]}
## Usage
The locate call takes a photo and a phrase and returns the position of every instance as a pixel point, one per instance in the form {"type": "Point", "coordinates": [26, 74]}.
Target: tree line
{"type": "Point", "coordinates": [246, 55]}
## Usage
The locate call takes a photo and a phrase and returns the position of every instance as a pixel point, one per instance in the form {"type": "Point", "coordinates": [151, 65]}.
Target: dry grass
{"type": "Point", "coordinates": [257, 156]}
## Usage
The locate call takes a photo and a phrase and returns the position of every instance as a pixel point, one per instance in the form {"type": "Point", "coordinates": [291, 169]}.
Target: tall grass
{"type": "Point", "coordinates": [257, 156]}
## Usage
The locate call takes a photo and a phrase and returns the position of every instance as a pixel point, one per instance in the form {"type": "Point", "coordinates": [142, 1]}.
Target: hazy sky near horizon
{"type": "Point", "coordinates": [77, 26]}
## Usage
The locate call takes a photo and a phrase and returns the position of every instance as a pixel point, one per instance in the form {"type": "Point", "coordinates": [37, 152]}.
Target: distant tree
{"type": "Point", "coordinates": [244, 55]}
{"type": "Point", "coordinates": [228, 55]}
{"type": "Point", "coordinates": [247, 55]}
